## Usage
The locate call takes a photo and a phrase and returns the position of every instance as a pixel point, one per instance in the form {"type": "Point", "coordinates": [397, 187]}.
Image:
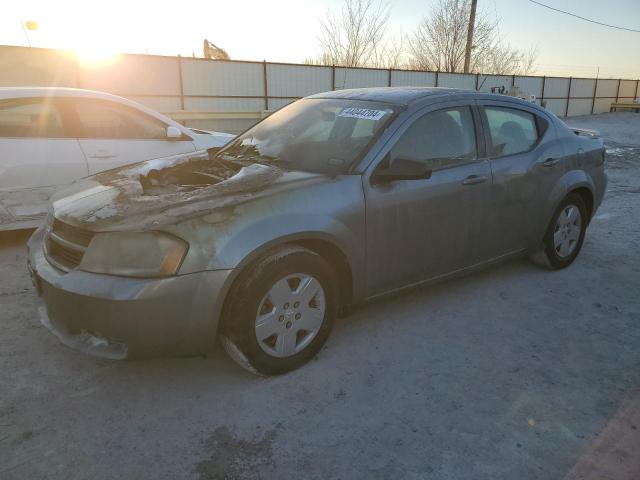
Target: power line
{"type": "Point", "coordinates": [583, 18]}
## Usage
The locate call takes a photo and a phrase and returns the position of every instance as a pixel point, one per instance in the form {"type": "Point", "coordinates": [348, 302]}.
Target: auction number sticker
{"type": "Point", "coordinates": [364, 113]}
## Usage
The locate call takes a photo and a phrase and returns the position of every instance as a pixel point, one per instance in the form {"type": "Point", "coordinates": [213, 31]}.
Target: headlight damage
{"type": "Point", "coordinates": [134, 254]}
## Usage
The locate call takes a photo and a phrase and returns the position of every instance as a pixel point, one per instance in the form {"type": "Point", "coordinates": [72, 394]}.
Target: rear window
{"type": "Point", "coordinates": [512, 131]}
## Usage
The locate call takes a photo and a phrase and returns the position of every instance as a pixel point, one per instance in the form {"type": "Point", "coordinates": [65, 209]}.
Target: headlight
{"type": "Point", "coordinates": [134, 254]}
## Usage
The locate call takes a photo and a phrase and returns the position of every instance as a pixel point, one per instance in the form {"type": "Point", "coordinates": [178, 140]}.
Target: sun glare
{"type": "Point", "coordinates": [94, 55]}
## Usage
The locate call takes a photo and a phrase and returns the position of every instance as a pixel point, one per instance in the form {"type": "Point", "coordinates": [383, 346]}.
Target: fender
{"type": "Point", "coordinates": [254, 239]}
{"type": "Point", "coordinates": [571, 180]}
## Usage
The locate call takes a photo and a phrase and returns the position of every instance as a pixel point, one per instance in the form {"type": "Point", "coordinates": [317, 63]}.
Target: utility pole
{"type": "Point", "coordinates": [472, 21]}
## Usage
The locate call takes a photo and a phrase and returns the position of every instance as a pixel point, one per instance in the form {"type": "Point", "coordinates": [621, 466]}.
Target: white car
{"type": "Point", "coordinates": [50, 137]}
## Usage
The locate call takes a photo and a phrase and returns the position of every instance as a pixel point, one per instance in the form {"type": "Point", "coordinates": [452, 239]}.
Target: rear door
{"type": "Point", "coordinates": [38, 155]}
{"type": "Point", "coordinates": [527, 161]}
{"type": "Point", "coordinates": [113, 134]}
{"type": "Point", "coordinates": [421, 229]}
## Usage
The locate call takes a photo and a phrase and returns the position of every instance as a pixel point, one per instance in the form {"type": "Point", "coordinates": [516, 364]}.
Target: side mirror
{"type": "Point", "coordinates": [173, 133]}
{"type": "Point", "coordinates": [403, 169]}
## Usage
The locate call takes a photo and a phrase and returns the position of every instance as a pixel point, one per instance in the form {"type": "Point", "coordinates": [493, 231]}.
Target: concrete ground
{"type": "Point", "coordinates": [512, 373]}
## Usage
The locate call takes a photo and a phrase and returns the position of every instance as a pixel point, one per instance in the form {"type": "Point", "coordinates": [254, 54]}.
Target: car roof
{"type": "Point", "coordinates": [7, 93]}
{"type": "Point", "coordinates": [393, 95]}
{"type": "Point", "coordinates": [26, 92]}
{"type": "Point", "coordinates": [414, 97]}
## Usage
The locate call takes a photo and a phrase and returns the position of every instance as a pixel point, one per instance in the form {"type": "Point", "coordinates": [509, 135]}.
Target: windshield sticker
{"type": "Point", "coordinates": [364, 113]}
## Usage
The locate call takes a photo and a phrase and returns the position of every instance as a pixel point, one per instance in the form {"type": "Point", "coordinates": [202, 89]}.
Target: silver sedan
{"type": "Point", "coordinates": [333, 200]}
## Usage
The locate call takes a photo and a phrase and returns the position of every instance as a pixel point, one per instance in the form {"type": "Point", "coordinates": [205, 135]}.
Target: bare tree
{"type": "Point", "coordinates": [505, 60]}
{"type": "Point", "coordinates": [391, 54]}
{"type": "Point", "coordinates": [353, 38]}
{"type": "Point", "coordinates": [528, 62]}
{"type": "Point", "coordinates": [439, 43]}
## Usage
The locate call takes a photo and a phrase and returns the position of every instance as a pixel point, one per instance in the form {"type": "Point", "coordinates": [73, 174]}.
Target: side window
{"type": "Point", "coordinates": [100, 119]}
{"type": "Point", "coordinates": [30, 118]}
{"type": "Point", "coordinates": [512, 131]}
{"type": "Point", "coordinates": [443, 139]}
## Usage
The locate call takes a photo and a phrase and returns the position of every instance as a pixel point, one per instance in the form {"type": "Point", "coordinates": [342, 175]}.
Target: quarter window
{"type": "Point", "coordinates": [109, 120]}
{"type": "Point", "coordinates": [443, 138]}
{"type": "Point", "coordinates": [30, 118]}
{"type": "Point", "coordinates": [512, 131]}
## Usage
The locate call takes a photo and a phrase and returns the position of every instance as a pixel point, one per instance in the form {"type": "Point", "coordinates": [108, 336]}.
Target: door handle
{"type": "Point", "coordinates": [550, 162]}
{"type": "Point", "coordinates": [474, 179]}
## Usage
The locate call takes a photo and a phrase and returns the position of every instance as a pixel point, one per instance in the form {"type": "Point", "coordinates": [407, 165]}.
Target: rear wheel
{"type": "Point", "coordinates": [565, 233]}
{"type": "Point", "coordinates": [280, 311]}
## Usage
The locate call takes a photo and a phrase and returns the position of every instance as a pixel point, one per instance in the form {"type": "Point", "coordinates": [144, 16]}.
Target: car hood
{"type": "Point", "coordinates": [165, 191]}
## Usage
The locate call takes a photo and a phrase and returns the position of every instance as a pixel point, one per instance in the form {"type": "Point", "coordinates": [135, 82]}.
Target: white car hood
{"type": "Point", "coordinates": [207, 140]}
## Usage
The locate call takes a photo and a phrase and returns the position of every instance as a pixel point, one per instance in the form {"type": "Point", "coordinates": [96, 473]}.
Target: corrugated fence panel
{"type": "Point", "coordinates": [215, 77]}
{"type": "Point", "coordinates": [607, 88]}
{"type": "Point", "coordinates": [579, 106]}
{"type": "Point", "coordinates": [235, 86]}
{"type": "Point", "coordinates": [161, 104]}
{"type": "Point", "coordinates": [361, 77]}
{"type": "Point", "coordinates": [133, 75]}
{"type": "Point", "coordinates": [628, 89]}
{"type": "Point", "coordinates": [457, 80]}
{"type": "Point", "coordinates": [582, 87]}
{"type": "Point", "coordinates": [530, 85]}
{"type": "Point", "coordinates": [205, 104]}
{"type": "Point", "coordinates": [602, 105]}
{"type": "Point", "coordinates": [485, 82]}
{"type": "Point", "coordinates": [556, 106]}
{"type": "Point", "coordinates": [36, 68]}
{"type": "Point", "coordinates": [556, 87]}
{"type": "Point", "coordinates": [276, 103]}
{"type": "Point", "coordinates": [297, 81]}
{"type": "Point", "coordinates": [412, 79]}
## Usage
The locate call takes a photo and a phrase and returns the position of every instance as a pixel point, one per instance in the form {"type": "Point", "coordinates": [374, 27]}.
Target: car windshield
{"type": "Point", "coordinates": [313, 135]}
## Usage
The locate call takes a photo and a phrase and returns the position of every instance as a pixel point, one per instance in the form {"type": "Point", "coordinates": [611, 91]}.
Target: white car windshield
{"type": "Point", "coordinates": [314, 135]}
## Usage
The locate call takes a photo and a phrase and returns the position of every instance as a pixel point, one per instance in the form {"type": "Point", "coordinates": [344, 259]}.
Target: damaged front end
{"type": "Point", "coordinates": [108, 260]}
{"type": "Point", "coordinates": [92, 343]}
{"type": "Point", "coordinates": [135, 261]}
{"type": "Point", "coordinates": [127, 216]}
{"type": "Point", "coordinates": [148, 194]}
{"type": "Point", "coordinates": [197, 173]}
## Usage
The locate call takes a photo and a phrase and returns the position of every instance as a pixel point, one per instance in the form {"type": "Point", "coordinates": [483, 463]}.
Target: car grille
{"type": "Point", "coordinates": [65, 245]}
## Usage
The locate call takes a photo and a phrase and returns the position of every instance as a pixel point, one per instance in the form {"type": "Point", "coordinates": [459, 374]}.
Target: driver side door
{"type": "Point", "coordinates": [425, 228]}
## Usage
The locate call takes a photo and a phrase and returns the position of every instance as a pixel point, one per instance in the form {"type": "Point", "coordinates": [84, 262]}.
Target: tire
{"type": "Point", "coordinates": [565, 234]}
{"type": "Point", "coordinates": [279, 294]}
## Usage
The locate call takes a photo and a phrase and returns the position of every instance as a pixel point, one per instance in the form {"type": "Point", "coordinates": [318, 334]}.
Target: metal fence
{"type": "Point", "coordinates": [232, 95]}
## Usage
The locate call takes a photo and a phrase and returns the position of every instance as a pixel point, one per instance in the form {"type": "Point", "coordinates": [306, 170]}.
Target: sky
{"type": "Point", "coordinates": [288, 30]}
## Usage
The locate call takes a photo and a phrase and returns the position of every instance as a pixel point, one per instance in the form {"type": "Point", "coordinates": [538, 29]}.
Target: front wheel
{"type": "Point", "coordinates": [280, 311]}
{"type": "Point", "coordinates": [565, 234]}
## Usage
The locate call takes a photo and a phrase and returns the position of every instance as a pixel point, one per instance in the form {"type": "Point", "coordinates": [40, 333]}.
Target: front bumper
{"type": "Point", "coordinates": [601, 188]}
{"type": "Point", "coordinates": [117, 317]}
